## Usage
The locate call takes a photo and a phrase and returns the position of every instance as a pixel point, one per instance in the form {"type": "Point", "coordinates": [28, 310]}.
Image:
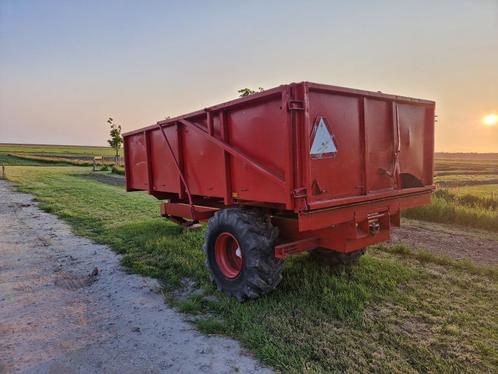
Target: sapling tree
{"type": "Point", "coordinates": [116, 139]}
{"type": "Point", "coordinates": [247, 91]}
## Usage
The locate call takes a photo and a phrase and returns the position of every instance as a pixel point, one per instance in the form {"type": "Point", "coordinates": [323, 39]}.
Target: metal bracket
{"type": "Point", "coordinates": [295, 105]}
{"type": "Point", "coordinates": [300, 192]}
{"type": "Point", "coordinates": [283, 251]}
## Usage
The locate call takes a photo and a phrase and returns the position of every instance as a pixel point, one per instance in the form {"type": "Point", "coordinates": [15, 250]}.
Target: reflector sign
{"type": "Point", "coordinates": [323, 143]}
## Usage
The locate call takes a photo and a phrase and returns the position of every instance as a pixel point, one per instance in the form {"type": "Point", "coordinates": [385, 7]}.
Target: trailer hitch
{"type": "Point", "coordinates": [374, 228]}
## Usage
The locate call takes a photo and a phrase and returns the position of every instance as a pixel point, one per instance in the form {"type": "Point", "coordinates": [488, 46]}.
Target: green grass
{"type": "Point", "coordinates": [7, 159]}
{"type": "Point", "coordinates": [43, 155]}
{"type": "Point", "coordinates": [118, 170]}
{"type": "Point", "coordinates": [50, 159]}
{"type": "Point", "coordinates": [48, 150]}
{"type": "Point", "coordinates": [484, 190]}
{"type": "Point", "coordinates": [395, 312]}
{"type": "Point", "coordinates": [465, 178]}
{"type": "Point", "coordinates": [455, 212]}
{"type": "Point", "coordinates": [454, 195]}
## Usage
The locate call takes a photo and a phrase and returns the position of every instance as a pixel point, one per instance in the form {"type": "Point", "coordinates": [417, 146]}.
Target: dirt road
{"type": "Point", "coordinates": [56, 316]}
{"type": "Point", "coordinates": [478, 247]}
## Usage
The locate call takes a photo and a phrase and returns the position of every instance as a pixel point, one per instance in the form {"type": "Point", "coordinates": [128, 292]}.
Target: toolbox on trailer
{"type": "Point", "coordinates": [299, 167]}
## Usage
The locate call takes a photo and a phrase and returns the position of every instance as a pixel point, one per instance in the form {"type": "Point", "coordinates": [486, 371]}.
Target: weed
{"type": "Point", "coordinates": [118, 170]}
{"type": "Point", "coordinates": [210, 326]}
{"type": "Point", "coordinates": [464, 211]}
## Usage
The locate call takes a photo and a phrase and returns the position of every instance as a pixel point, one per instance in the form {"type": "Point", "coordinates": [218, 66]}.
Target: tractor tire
{"type": "Point", "coordinates": [332, 258]}
{"type": "Point", "coordinates": [239, 248]}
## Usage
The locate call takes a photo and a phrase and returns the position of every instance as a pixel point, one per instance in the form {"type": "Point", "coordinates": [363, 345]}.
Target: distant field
{"type": "Point", "coordinates": [466, 156]}
{"type": "Point", "coordinates": [458, 180]}
{"type": "Point", "coordinates": [484, 190]}
{"type": "Point", "coordinates": [444, 166]}
{"type": "Point", "coordinates": [57, 150]}
{"type": "Point", "coordinates": [466, 170]}
{"type": "Point", "coordinates": [39, 155]}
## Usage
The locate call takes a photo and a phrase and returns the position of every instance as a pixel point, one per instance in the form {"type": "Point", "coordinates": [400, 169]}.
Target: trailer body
{"type": "Point", "coordinates": [331, 166]}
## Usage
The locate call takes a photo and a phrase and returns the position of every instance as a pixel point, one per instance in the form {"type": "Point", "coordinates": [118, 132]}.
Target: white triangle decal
{"type": "Point", "coordinates": [323, 142]}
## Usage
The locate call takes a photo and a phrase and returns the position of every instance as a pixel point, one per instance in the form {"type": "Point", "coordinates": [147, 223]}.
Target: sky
{"type": "Point", "coordinates": [66, 66]}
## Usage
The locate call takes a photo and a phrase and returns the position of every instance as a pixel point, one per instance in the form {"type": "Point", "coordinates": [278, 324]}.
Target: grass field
{"type": "Point", "coordinates": [56, 150]}
{"type": "Point", "coordinates": [397, 311]}
{"type": "Point", "coordinates": [467, 194]}
{"type": "Point", "coordinates": [456, 180]}
{"type": "Point", "coordinates": [43, 155]}
{"type": "Point", "coordinates": [483, 190]}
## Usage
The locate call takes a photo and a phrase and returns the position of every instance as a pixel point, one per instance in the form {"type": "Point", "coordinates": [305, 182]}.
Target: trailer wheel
{"type": "Point", "coordinates": [332, 258]}
{"type": "Point", "coordinates": [240, 255]}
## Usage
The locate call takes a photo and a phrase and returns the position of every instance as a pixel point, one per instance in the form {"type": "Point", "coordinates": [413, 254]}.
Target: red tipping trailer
{"type": "Point", "coordinates": [299, 167]}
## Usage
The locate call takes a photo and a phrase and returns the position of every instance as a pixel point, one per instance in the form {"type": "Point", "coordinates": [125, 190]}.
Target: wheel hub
{"type": "Point", "coordinates": [228, 255]}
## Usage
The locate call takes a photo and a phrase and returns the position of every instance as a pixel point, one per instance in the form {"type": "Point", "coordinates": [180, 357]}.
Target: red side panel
{"type": "Point", "coordinates": [203, 162]}
{"type": "Point", "coordinates": [165, 176]}
{"type": "Point", "coordinates": [136, 159]}
{"type": "Point", "coordinates": [258, 130]}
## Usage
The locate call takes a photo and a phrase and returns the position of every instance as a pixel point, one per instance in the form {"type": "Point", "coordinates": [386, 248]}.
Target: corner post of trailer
{"type": "Point", "coordinates": [364, 134]}
{"type": "Point", "coordinates": [304, 133]}
{"type": "Point", "coordinates": [225, 136]}
{"type": "Point", "coordinates": [148, 160]}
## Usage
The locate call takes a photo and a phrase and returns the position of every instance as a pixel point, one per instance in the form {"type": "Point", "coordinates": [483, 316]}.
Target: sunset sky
{"type": "Point", "coordinates": [65, 66]}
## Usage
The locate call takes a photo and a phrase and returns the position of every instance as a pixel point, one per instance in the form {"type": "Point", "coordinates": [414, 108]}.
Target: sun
{"type": "Point", "coordinates": [490, 120]}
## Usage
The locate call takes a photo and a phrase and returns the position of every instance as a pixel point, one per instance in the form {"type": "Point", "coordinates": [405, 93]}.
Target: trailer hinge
{"type": "Point", "coordinates": [300, 192]}
{"type": "Point", "coordinates": [295, 105]}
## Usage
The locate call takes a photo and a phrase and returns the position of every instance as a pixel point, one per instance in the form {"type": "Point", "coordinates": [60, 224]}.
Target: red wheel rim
{"type": "Point", "coordinates": [228, 255]}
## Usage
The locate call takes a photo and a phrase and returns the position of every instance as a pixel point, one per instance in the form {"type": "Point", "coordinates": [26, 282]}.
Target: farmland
{"type": "Point", "coordinates": [56, 150]}
{"type": "Point", "coordinates": [15, 154]}
{"type": "Point", "coordinates": [400, 309]}
{"type": "Point", "coordinates": [467, 192]}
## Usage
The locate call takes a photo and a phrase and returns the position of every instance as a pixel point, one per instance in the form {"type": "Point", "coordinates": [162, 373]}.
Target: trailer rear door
{"type": "Point", "coordinates": [360, 144]}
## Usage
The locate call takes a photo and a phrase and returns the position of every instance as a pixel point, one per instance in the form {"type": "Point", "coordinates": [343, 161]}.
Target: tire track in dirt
{"type": "Point", "coordinates": [480, 248]}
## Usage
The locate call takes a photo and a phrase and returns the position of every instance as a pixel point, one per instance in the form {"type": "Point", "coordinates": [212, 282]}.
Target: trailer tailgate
{"type": "Point", "coordinates": [361, 145]}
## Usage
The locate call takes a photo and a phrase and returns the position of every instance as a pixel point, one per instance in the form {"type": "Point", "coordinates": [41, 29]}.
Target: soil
{"type": "Point", "coordinates": [478, 247]}
{"type": "Point", "coordinates": [67, 306]}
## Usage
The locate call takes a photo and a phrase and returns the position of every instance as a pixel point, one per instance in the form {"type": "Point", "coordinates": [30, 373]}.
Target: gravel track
{"type": "Point", "coordinates": [58, 316]}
